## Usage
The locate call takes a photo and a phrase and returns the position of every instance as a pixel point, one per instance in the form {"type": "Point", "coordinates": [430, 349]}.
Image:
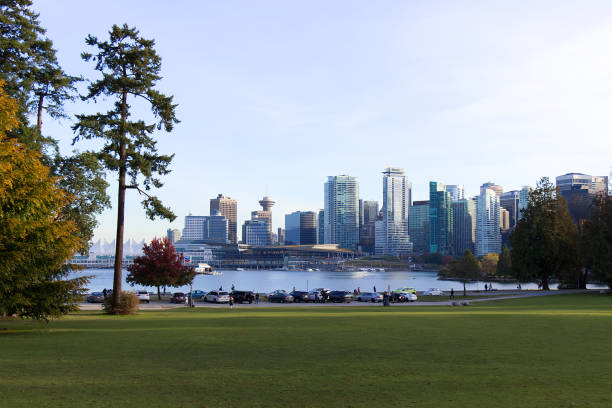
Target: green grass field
{"type": "Point", "coordinates": [540, 352]}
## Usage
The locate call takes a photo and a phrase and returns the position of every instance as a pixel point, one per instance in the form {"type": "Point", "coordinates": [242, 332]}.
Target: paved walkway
{"type": "Point", "coordinates": [482, 297]}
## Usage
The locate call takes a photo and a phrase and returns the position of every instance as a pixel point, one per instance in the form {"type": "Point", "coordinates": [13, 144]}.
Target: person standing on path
{"type": "Point", "coordinates": [231, 302]}
{"type": "Point", "coordinates": [104, 293]}
{"type": "Point", "coordinates": [374, 289]}
{"type": "Point", "coordinates": [452, 295]}
{"type": "Point", "coordinates": [257, 298]}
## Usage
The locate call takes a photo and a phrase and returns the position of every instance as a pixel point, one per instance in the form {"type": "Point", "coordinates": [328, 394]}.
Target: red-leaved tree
{"type": "Point", "coordinates": [159, 266]}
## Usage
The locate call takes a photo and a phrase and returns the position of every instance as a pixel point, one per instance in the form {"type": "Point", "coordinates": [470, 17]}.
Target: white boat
{"type": "Point", "coordinates": [240, 269]}
{"type": "Point", "coordinates": [309, 270]}
{"type": "Point", "coordinates": [206, 269]}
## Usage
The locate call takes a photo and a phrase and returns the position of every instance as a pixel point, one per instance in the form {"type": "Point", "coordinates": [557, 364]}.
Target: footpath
{"type": "Point", "coordinates": [479, 297]}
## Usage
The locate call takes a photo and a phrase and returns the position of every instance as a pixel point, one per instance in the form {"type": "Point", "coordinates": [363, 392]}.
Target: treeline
{"type": "Point", "coordinates": [546, 244]}
{"type": "Point", "coordinates": [49, 201]}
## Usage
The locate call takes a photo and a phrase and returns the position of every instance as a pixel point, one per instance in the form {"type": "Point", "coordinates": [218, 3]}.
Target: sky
{"type": "Point", "coordinates": [274, 96]}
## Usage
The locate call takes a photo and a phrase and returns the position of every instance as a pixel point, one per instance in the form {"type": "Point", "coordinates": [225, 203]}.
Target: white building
{"type": "Point", "coordinates": [488, 235]}
{"type": "Point", "coordinates": [397, 197]}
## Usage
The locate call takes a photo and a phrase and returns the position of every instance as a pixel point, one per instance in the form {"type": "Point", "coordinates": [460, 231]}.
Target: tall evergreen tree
{"type": "Point", "coordinates": [597, 239]}
{"type": "Point", "coordinates": [504, 266]}
{"type": "Point", "coordinates": [130, 69]}
{"type": "Point", "coordinates": [545, 241]}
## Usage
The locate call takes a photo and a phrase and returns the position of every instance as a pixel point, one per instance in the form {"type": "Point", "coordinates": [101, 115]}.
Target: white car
{"type": "Point", "coordinates": [143, 296]}
{"type": "Point", "coordinates": [313, 292]}
{"type": "Point", "coordinates": [411, 297]}
{"type": "Point", "coordinates": [217, 297]}
{"type": "Point", "coordinates": [369, 297]}
{"type": "Point", "coordinates": [433, 292]}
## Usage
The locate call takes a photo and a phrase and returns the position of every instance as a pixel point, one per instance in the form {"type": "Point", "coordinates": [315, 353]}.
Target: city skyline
{"type": "Point", "coordinates": [253, 83]}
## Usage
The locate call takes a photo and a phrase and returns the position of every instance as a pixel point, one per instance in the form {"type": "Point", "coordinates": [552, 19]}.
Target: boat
{"type": "Point", "coordinates": [240, 269]}
{"type": "Point", "coordinates": [206, 269]}
{"type": "Point", "coordinates": [309, 270]}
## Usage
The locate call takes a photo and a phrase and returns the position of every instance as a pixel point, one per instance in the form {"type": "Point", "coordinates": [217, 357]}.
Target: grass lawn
{"type": "Point", "coordinates": [538, 352]}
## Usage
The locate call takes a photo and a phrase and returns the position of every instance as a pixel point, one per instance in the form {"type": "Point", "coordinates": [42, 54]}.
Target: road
{"type": "Point", "coordinates": [482, 297]}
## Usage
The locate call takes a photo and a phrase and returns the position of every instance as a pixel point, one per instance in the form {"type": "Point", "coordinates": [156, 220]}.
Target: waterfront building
{"type": "Point", "coordinates": [213, 228]}
{"type": "Point", "coordinates": [173, 234]}
{"type": "Point", "coordinates": [418, 222]}
{"type": "Point", "coordinates": [341, 215]}
{"type": "Point", "coordinates": [397, 197]}
{"type": "Point", "coordinates": [229, 208]}
{"type": "Point", "coordinates": [281, 236]}
{"type": "Point", "coordinates": [464, 226]}
{"type": "Point", "coordinates": [258, 232]}
{"type": "Point", "coordinates": [308, 228]}
{"type": "Point", "coordinates": [492, 186]}
{"type": "Point", "coordinates": [578, 190]}
{"type": "Point", "coordinates": [456, 191]}
{"type": "Point", "coordinates": [367, 237]}
{"type": "Point", "coordinates": [440, 221]}
{"type": "Point", "coordinates": [488, 236]}
{"type": "Point", "coordinates": [292, 228]}
{"type": "Point", "coordinates": [321, 227]}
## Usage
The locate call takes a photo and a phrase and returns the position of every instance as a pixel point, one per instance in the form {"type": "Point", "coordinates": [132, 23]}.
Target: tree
{"type": "Point", "coordinates": [597, 239]}
{"type": "Point", "coordinates": [36, 238]}
{"type": "Point", "coordinates": [488, 264]}
{"type": "Point", "coordinates": [545, 241]}
{"type": "Point", "coordinates": [130, 69]}
{"type": "Point", "coordinates": [504, 266]}
{"type": "Point", "coordinates": [159, 266]}
{"type": "Point", "coordinates": [468, 268]}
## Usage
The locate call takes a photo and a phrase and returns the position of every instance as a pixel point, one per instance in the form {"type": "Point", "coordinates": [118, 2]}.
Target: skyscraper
{"type": "Point", "coordinates": [229, 208]}
{"type": "Point", "coordinates": [488, 236]}
{"type": "Point", "coordinates": [492, 186]}
{"type": "Point", "coordinates": [440, 221]}
{"type": "Point", "coordinates": [464, 226]}
{"type": "Point", "coordinates": [212, 229]}
{"type": "Point", "coordinates": [308, 228]}
{"type": "Point", "coordinates": [397, 197]}
{"type": "Point", "coordinates": [456, 191]}
{"type": "Point", "coordinates": [321, 227]}
{"type": "Point", "coordinates": [341, 222]}
{"type": "Point", "coordinates": [510, 202]}
{"type": "Point", "coordinates": [418, 217]}
{"type": "Point", "coordinates": [370, 211]}
{"type": "Point", "coordinates": [173, 234]}
{"type": "Point", "coordinates": [292, 228]}
{"type": "Point", "coordinates": [578, 190]}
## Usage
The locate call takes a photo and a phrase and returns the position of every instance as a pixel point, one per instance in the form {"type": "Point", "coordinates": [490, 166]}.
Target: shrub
{"type": "Point", "coordinates": [128, 304]}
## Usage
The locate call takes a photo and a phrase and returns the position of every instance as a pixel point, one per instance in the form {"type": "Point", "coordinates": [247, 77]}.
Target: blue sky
{"type": "Point", "coordinates": [274, 96]}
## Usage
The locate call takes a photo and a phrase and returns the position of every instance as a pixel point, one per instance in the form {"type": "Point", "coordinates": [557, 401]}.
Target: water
{"type": "Point", "coordinates": [267, 281]}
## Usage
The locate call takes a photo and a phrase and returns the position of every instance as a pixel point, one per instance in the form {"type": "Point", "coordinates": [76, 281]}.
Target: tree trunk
{"type": "Point", "coordinates": [158, 294]}
{"type": "Point", "coordinates": [41, 98]}
{"type": "Point", "coordinates": [120, 207]}
{"type": "Point", "coordinates": [464, 293]}
{"type": "Point", "coordinates": [545, 283]}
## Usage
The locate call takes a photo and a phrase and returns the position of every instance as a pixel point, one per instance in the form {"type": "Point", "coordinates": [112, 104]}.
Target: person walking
{"type": "Point", "coordinates": [231, 302]}
{"type": "Point", "coordinates": [374, 288]}
{"type": "Point", "coordinates": [485, 287]}
{"type": "Point", "coordinates": [233, 287]}
{"type": "Point", "coordinates": [257, 298]}
{"type": "Point", "coordinates": [452, 295]}
{"type": "Point", "coordinates": [104, 293]}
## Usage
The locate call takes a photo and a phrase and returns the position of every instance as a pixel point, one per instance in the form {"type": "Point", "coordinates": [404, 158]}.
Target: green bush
{"type": "Point", "coordinates": [128, 304]}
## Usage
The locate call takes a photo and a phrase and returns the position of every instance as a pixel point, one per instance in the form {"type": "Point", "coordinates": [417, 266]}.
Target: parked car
{"type": "Point", "coordinates": [401, 297]}
{"type": "Point", "coordinates": [433, 292]}
{"type": "Point", "coordinates": [405, 289]}
{"type": "Point", "coordinates": [280, 297]}
{"type": "Point", "coordinates": [241, 296]}
{"type": "Point", "coordinates": [319, 291]}
{"type": "Point", "coordinates": [300, 296]}
{"type": "Point", "coordinates": [217, 297]}
{"type": "Point", "coordinates": [340, 296]}
{"type": "Point", "coordinates": [411, 297]}
{"type": "Point", "coordinates": [178, 297]}
{"type": "Point", "coordinates": [95, 297]}
{"type": "Point", "coordinates": [196, 294]}
{"type": "Point", "coordinates": [143, 296]}
{"type": "Point", "coordinates": [369, 297]}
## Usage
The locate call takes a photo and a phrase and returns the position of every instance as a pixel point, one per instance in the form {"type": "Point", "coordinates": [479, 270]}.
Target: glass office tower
{"type": "Point", "coordinates": [341, 212]}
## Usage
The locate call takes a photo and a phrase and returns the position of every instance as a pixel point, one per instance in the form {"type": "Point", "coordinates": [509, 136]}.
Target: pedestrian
{"type": "Point", "coordinates": [452, 295]}
{"type": "Point", "coordinates": [257, 298]}
{"type": "Point", "coordinates": [233, 288]}
{"type": "Point", "coordinates": [231, 302]}
{"type": "Point", "coordinates": [375, 289]}
{"type": "Point", "coordinates": [104, 293]}
{"type": "Point", "coordinates": [354, 292]}
{"type": "Point", "coordinates": [316, 297]}
{"type": "Point", "coordinates": [358, 290]}
{"type": "Point", "coordinates": [485, 287]}
{"type": "Point", "coordinates": [221, 287]}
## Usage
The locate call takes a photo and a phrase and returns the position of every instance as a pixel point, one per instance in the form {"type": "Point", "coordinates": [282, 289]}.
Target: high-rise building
{"type": "Point", "coordinates": [440, 219]}
{"type": "Point", "coordinates": [397, 197]}
{"type": "Point", "coordinates": [578, 190]}
{"type": "Point", "coordinates": [292, 228]}
{"type": "Point", "coordinates": [370, 211]}
{"type": "Point", "coordinates": [341, 222]}
{"type": "Point", "coordinates": [488, 236]}
{"type": "Point", "coordinates": [211, 229]}
{"type": "Point", "coordinates": [258, 232]}
{"type": "Point", "coordinates": [504, 219]}
{"type": "Point", "coordinates": [281, 236]}
{"type": "Point", "coordinates": [229, 208]}
{"type": "Point", "coordinates": [308, 228]}
{"type": "Point", "coordinates": [173, 234]}
{"type": "Point", "coordinates": [456, 191]}
{"type": "Point", "coordinates": [523, 201]}
{"type": "Point", "coordinates": [321, 227]}
{"type": "Point", "coordinates": [510, 202]}
{"type": "Point", "coordinates": [418, 217]}
{"type": "Point", "coordinates": [492, 186]}
{"type": "Point", "coordinates": [264, 214]}
{"type": "Point", "coordinates": [464, 226]}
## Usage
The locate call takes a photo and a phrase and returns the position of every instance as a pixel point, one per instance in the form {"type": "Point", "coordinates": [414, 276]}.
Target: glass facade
{"type": "Point", "coordinates": [440, 219]}
{"type": "Point", "coordinates": [418, 220]}
{"type": "Point", "coordinates": [464, 226]}
{"type": "Point", "coordinates": [258, 232]}
{"type": "Point", "coordinates": [341, 213]}
{"type": "Point", "coordinates": [211, 229]}
{"type": "Point", "coordinates": [488, 235]}
{"type": "Point", "coordinates": [229, 208]}
{"type": "Point", "coordinates": [292, 228]}
{"type": "Point", "coordinates": [397, 197]}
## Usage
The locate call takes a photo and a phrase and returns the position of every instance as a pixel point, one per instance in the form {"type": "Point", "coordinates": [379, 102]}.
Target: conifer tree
{"type": "Point", "coordinates": [130, 69]}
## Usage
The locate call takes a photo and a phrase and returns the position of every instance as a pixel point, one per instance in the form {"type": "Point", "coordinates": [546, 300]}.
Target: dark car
{"type": "Point", "coordinates": [178, 297]}
{"type": "Point", "coordinates": [241, 296]}
{"type": "Point", "coordinates": [399, 297]}
{"type": "Point", "coordinates": [280, 297]}
{"type": "Point", "coordinates": [300, 296]}
{"type": "Point", "coordinates": [340, 296]}
{"type": "Point", "coordinates": [95, 297]}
